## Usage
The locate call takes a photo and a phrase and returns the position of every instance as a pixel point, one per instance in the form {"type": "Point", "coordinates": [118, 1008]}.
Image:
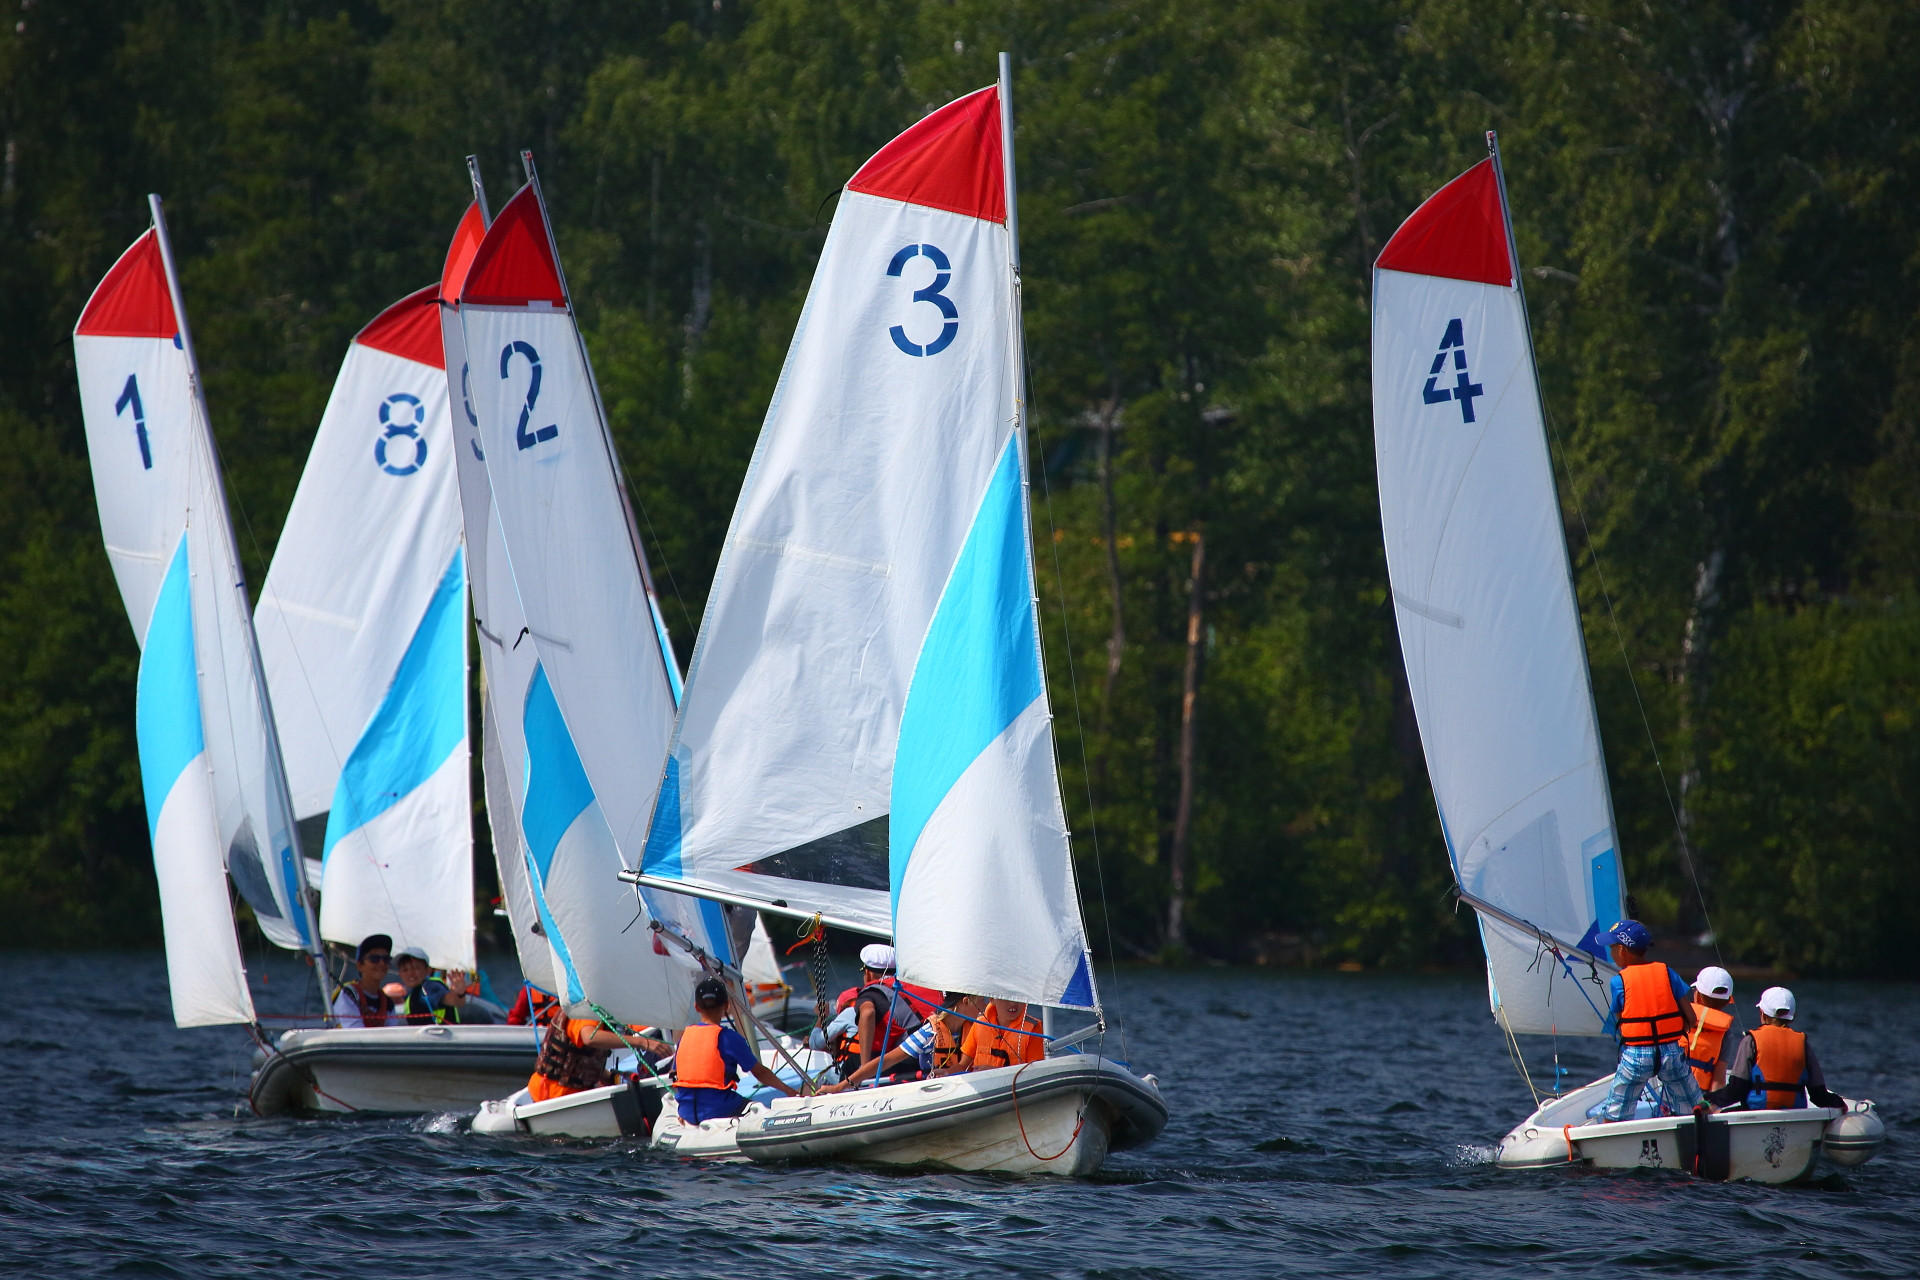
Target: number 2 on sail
{"type": "Point", "coordinates": [521, 436]}
{"type": "Point", "coordinates": [130, 396]}
{"type": "Point", "coordinates": [932, 293]}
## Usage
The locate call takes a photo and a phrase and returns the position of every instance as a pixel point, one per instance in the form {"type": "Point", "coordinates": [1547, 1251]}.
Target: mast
{"type": "Point", "coordinates": [480, 192]}
{"type": "Point", "coordinates": [672, 663]}
{"type": "Point", "coordinates": [1020, 435]}
{"type": "Point", "coordinates": [1573, 588]}
{"type": "Point", "coordinates": [278, 781]}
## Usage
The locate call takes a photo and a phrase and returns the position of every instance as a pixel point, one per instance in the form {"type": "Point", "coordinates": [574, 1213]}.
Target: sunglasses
{"type": "Point", "coordinates": [379, 957]}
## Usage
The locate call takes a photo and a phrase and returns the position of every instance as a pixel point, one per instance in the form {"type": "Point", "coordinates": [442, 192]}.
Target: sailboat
{"type": "Point", "coordinates": [218, 807]}
{"type": "Point", "coordinates": [1490, 628]}
{"type": "Point", "coordinates": [865, 737]}
{"type": "Point", "coordinates": [581, 674]}
{"type": "Point", "coordinates": [363, 630]}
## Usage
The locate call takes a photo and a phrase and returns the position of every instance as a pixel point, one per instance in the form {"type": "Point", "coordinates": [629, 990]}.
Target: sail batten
{"type": "Point", "coordinates": [1483, 598]}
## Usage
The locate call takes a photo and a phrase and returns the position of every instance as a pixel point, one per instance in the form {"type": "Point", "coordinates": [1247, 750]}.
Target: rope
{"type": "Point", "coordinates": [1078, 1123]}
{"type": "Point", "coordinates": [1519, 1061]}
{"type": "Point", "coordinates": [606, 1020]}
{"type": "Point", "coordinates": [819, 967]}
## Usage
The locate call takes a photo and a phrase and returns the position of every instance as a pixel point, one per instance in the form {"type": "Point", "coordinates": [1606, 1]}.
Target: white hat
{"type": "Point", "coordinates": [1715, 982]}
{"type": "Point", "coordinates": [416, 953]}
{"type": "Point", "coordinates": [1777, 1002]}
{"type": "Point", "coordinates": [878, 956]}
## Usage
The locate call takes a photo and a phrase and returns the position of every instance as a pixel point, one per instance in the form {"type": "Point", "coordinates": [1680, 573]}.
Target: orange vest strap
{"type": "Point", "coordinates": [697, 1063]}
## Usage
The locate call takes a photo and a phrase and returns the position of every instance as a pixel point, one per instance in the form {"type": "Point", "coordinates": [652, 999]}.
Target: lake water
{"type": "Point", "coordinates": [1323, 1125]}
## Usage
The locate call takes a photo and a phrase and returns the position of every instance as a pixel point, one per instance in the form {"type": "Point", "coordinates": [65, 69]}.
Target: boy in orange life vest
{"type": "Point", "coordinates": [1774, 1068]}
{"type": "Point", "coordinates": [1652, 1013]}
{"type": "Point", "coordinates": [1708, 1044]}
{"type": "Point", "coordinates": [987, 1047]}
{"type": "Point", "coordinates": [573, 1056]}
{"type": "Point", "coordinates": [709, 1059]}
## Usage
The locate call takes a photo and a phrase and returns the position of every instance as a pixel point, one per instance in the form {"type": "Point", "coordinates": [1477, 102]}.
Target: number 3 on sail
{"type": "Point", "coordinates": [931, 293]}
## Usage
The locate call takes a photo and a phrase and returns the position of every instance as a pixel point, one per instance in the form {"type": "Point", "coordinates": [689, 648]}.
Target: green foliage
{"type": "Point", "coordinates": [1715, 203]}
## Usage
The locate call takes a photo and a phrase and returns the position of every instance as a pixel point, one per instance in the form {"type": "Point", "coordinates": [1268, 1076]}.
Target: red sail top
{"type": "Point", "coordinates": [410, 329]}
{"type": "Point", "coordinates": [466, 243]}
{"type": "Point", "coordinates": [132, 301]}
{"type": "Point", "coordinates": [950, 161]}
{"type": "Point", "coordinates": [1458, 233]}
{"type": "Point", "coordinates": [514, 264]}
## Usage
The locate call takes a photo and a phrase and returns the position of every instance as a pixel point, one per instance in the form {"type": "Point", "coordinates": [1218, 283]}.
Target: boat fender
{"type": "Point", "coordinates": [1853, 1138]}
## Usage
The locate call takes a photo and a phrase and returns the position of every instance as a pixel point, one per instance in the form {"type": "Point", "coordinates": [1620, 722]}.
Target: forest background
{"type": "Point", "coordinates": [1716, 205]}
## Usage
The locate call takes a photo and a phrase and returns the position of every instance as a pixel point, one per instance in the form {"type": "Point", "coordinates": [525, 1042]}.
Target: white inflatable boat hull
{"type": "Point", "coordinates": [395, 1070]}
{"type": "Point", "coordinates": [1772, 1147]}
{"type": "Point", "coordinates": [1061, 1116]}
{"type": "Point", "coordinates": [613, 1111]}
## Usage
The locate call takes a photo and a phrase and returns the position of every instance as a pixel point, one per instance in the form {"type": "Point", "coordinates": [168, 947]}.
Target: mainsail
{"type": "Point", "coordinates": [1483, 596]}
{"type": "Point", "coordinates": [598, 705]}
{"type": "Point", "coordinates": [210, 763]}
{"type": "Point", "coordinates": [362, 627]}
{"type": "Point", "coordinates": [506, 670]}
{"type": "Point", "coordinates": [865, 732]}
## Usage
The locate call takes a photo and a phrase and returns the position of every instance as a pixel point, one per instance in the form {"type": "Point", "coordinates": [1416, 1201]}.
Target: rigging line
{"type": "Point", "coordinates": [1620, 639]}
{"type": "Point", "coordinates": [1519, 1060]}
{"type": "Point", "coordinates": [1079, 723]}
{"type": "Point", "coordinates": [658, 546]}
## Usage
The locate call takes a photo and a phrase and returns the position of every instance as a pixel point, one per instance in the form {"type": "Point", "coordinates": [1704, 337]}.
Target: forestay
{"type": "Point", "coordinates": [210, 766]}
{"type": "Point", "coordinates": [1484, 600]}
{"type": "Point", "coordinates": [598, 707]}
{"type": "Point", "coordinates": [865, 731]}
{"type": "Point", "coordinates": [506, 670]}
{"type": "Point", "coordinates": [362, 626]}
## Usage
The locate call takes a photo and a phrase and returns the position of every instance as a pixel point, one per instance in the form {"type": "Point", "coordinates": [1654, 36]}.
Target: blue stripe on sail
{"type": "Point", "coordinates": [557, 794]}
{"type": "Point", "coordinates": [576, 992]}
{"type": "Point", "coordinates": [978, 667]}
{"type": "Point", "coordinates": [666, 650]}
{"type": "Point", "coordinates": [166, 702]}
{"type": "Point", "coordinates": [1079, 992]}
{"type": "Point", "coordinates": [557, 786]}
{"type": "Point", "coordinates": [420, 722]}
{"type": "Point", "coordinates": [719, 942]}
{"type": "Point", "coordinates": [662, 855]}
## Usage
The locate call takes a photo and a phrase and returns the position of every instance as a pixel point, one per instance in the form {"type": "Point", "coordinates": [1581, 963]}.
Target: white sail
{"type": "Point", "coordinates": [210, 765]}
{"type": "Point", "coordinates": [1485, 606]}
{"type": "Point", "coordinates": [865, 731]}
{"type": "Point", "coordinates": [496, 611]}
{"type": "Point", "coordinates": [598, 707]}
{"type": "Point", "coordinates": [362, 625]}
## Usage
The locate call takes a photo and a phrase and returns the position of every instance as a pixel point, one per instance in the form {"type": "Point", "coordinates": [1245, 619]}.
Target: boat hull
{"type": "Point", "coordinates": [1772, 1147]}
{"type": "Point", "coordinates": [624, 1110]}
{"type": "Point", "coordinates": [1059, 1116]}
{"type": "Point", "coordinates": [390, 1070]}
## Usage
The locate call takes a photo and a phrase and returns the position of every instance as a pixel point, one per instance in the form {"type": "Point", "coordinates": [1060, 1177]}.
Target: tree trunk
{"type": "Point", "coordinates": [1695, 648]}
{"type": "Point", "coordinates": [1189, 735]}
{"type": "Point", "coordinates": [1117, 641]}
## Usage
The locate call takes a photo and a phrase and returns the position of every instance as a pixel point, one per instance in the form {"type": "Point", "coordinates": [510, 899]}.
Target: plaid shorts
{"type": "Point", "coordinates": [1662, 1069]}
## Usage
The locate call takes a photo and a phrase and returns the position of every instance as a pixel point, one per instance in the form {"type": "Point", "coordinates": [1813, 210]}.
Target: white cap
{"type": "Point", "coordinates": [1715, 982]}
{"type": "Point", "coordinates": [1777, 1002]}
{"type": "Point", "coordinates": [877, 955]}
{"type": "Point", "coordinates": [416, 953]}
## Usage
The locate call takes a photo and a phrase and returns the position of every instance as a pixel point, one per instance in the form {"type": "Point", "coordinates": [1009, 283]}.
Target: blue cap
{"type": "Point", "coordinates": [1630, 934]}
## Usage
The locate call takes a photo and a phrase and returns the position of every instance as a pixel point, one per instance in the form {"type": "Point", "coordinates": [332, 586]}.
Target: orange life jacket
{"type": "Point", "coordinates": [697, 1063]}
{"type": "Point", "coordinates": [946, 1047]}
{"type": "Point", "coordinates": [567, 1064]}
{"type": "Point", "coordinates": [1703, 1046]}
{"type": "Point", "coordinates": [1779, 1065]}
{"type": "Point", "coordinates": [1650, 1014]}
{"type": "Point", "coordinates": [1021, 1042]}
